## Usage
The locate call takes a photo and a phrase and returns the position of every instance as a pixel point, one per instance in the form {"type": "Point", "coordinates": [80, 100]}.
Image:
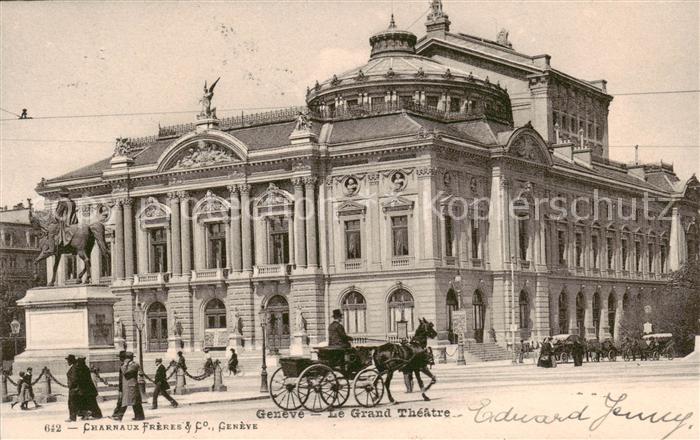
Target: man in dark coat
{"type": "Point", "coordinates": [74, 397]}
{"type": "Point", "coordinates": [577, 352]}
{"type": "Point", "coordinates": [161, 385]}
{"type": "Point", "coordinates": [88, 390]}
{"type": "Point", "coordinates": [233, 363]}
{"type": "Point", "coordinates": [120, 410]}
{"type": "Point", "coordinates": [337, 338]}
{"type": "Point", "coordinates": [182, 365]}
{"type": "Point", "coordinates": [131, 394]}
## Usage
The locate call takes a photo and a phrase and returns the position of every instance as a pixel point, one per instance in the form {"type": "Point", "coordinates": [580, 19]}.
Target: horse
{"type": "Point", "coordinates": [82, 239]}
{"type": "Point", "coordinates": [411, 357]}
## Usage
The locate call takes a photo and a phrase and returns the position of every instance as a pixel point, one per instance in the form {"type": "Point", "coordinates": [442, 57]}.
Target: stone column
{"type": "Point", "coordinates": [128, 238]}
{"type": "Point", "coordinates": [573, 328]}
{"type": "Point", "coordinates": [299, 228]}
{"type": "Point", "coordinates": [604, 323]}
{"type": "Point", "coordinates": [119, 240]}
{"type": "Point", "coordinates": [246, 244]}
{"type": "Point", "coordinates": [141, 248]}
{"type": "Point", "coordinates": [588, 318]}
{"type": "Point", "coordinates": [310, 202]}
{"type": "Point", "coordinates": [618, 317]}
{"type": "Point", "coordinates": [290, 228]}
{"type": "Point", "coordinates": [185, 233]}
{"type": "Point", "coordinates": [236, 257]}
{"type": "Point", "coordinates": [174, 204]}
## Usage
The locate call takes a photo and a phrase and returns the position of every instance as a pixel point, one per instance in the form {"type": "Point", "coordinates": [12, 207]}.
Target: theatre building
{"type": "Point", "coordinates": [411, 186]}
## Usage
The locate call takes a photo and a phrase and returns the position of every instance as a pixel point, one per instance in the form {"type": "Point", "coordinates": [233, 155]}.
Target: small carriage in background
{"type": "Point", "coordinates": [326, 383]}
{"type": "Point", "coordinates": [664, 346]}
{"type": "Point", "coordinates": [563, 345]}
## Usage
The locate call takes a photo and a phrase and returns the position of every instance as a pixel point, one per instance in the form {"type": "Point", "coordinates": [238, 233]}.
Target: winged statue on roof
{"type": "Point", "coordinates": [207, 111]}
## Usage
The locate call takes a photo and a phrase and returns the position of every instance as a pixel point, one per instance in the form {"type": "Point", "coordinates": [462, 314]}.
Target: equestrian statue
{"type": "Point", "coordinates": [61, 234]}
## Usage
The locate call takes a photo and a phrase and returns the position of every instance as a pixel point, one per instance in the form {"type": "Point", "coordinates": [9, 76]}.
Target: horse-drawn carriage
{"type": "Point", "coordinates": [597, 350]}
{"type": "Point", "coordinates": [366, 372]}
{"type": "Point", "coordinates": [657, 345]}
{"type": "Point", "coordinates": [563, 346]}
{"type": "Point", "coordinates": [318, 385]}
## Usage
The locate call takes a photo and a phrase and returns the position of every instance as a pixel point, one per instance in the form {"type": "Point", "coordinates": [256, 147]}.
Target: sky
{"type": "Point", "coordinates": [79, 59]}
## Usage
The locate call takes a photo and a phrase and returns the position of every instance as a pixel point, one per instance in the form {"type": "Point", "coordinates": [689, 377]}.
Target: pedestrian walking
{"type": "Point", "coordinates": [161, 385]}
{"type": "Point", "coordinates": [30, 387]}
{"type": "Point", "coordinates": [208, 363]}
{"type": "Point", "coordinates": [233, 363]}
{"type": "Point", "coordinates": [74, 397]}
{"type": "Point", "coordinates": [577, 352]}
{"type": "Point", "coordinates": [119, 410]}
{"type": "Point", "coordinates": [22, 395]}
{"type": "Point", "coordinates": [181, 364]}
{"type": "Point", "coordinates": [131, 394]}
{"type": "Point", "coordinates": [88, 391]}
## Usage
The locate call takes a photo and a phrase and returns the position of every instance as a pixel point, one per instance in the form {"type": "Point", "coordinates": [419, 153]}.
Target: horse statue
{"type": "Point", "coordinates": [79, 240]}
{"type": "Point", "coordinates": [412, 357]}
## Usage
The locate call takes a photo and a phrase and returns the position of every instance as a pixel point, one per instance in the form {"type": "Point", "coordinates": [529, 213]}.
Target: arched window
{"type": "Point", "coordinates": [277, 322]}
{"type": "Point", "coordinates": [524, 302]}
{"type": "Point", "coordinates": [596, 314]}
{"type": "Point", "coordinates": [354, 313]}
{"type": "Point", "coordinates": [479, 310]}
{"type": "Point", "coordinates": [563, 313]}
{"type": "Point", "coordinates": [400, 309]}
{"type": "Point", "coordinates": [452, 304]}
{"type": "Point", "coordinates": [215, 313]}
{"type": "Point", "coordinates": [581, 314]}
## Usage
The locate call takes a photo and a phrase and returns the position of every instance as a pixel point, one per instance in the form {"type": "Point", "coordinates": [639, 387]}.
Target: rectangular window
{"type": "Point", "coordinates": [594, 245]}
{"type": "Point", "coordinates": [638, 256]}
{"type": "Point", "coordinates": [650, 257]}
{"type": "Point", "coordinates": [216, 241]}
{"type": "Point", "coordinates": [159, 250]}
{"type": "Point", "coordinates": [399, 235]}
{"type": "Point", "coordinates": [406, 101]}
{"type": "Point", "coordinates": [610, 244]}
{"type": "Point", "coordinates": [523, 239]}
{"type": "Point", "coordinates": [351, 103]}
{"type": "Point", "coordinates": [454, 104]}
{"type": "Point", "coordinates": [561, 243]}
{"type": "Point", "coordinates": [598, 133]}
{"type": "Point", "coordinates": [624, 254]}
{"type": "Point", "coordinates": [432, 101]}
{"type": "Point", "coordinates": [475, 238]}
{"type": "Point", "coordinates": [377, 102]}
{"type": "Point", "coordinates": [579, 249]}
{"type": "Point", "coordinates": [353, 240]}
{"type": "Point", "coordinates": [449, 237]}
{"type": "Point", "coordinates": [663, 258]}
{"type": "Point", "coordinates": [589, 134]}
{"type": "Point", "coordinates": [279, 240]}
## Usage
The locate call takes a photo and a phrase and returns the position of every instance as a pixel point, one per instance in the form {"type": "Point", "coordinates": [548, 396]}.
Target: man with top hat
{"type": "Point", "coordinates": [131, 394]}
{"type": "Point", "coordinates": [337, 338]}
{"type": "Point", "coordinates": [119, 410]}
{"type": "Point", "coordinates": [74, 397]}
{"type": "Point", "coordinates": [161, 385]}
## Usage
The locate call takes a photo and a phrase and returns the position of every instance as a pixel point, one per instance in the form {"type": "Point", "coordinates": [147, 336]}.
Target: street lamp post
{"type": "Point", "coordinates": [139, 319]}
{"type": "Point", "coordinates": [513, 325]}
{"type": "Point", "coordinates": [14, 331]}
{"type": "Point", "coordinates": [263, 367]}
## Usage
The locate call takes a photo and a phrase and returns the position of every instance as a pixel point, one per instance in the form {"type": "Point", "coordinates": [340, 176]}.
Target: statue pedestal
{"type": "Point", "coordinates": [235, 341]}
{"type": "Point", "coordinates": [67, 320]}
{"type": "Point", "coordinates": [119, 344]}
{"type": "Point", "coordinates": [174, 345]}
{"type": "Point", "coordinates": [299, 346]}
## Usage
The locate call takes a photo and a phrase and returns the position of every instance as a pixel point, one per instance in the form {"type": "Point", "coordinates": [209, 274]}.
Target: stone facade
{"type": "Point", "coordinates": [409, 187]}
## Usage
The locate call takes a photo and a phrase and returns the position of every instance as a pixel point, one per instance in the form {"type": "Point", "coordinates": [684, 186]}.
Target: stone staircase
{"type": "Point", "coordinates": [488, 351]}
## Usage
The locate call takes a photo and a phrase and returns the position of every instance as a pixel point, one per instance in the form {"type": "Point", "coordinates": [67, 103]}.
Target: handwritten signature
{"type": "Point", "coordinates": [482, 414]}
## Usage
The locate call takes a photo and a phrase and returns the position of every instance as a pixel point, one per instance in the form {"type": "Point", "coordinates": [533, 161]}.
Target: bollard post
{"type": "Point", "coordinates": [218, 380]}
{"type": "Point", "coordinates": [442, 359]}
{"type": "Point", "coordinates": [180, 382]}
{"type": "Point", "coordinates": [46, 395]}
{"type": "Point", "coordinates": [5, 396]}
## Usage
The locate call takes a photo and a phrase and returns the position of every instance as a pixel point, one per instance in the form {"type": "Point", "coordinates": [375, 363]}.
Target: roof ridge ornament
{"type": "Point", "coordinates": [502, 39]}
{"type": "Point", "coordinates": [392, 23]}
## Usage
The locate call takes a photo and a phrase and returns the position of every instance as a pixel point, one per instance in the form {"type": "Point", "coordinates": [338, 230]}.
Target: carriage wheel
{"type": "Point", "coordinates": [283, 391]}
{"type": "Point", "coordinates": [342, 390]}
{"type": "Point", "coordinates": [612, 355]}
{"type": "Point", "coordinates": [564, 357]}
{"type": "Point", "coordinates": [368, 387]}
{"type": "Point", "coordinates": [317, 388]}
{"type": "Point", "coordinates": [669, 354]}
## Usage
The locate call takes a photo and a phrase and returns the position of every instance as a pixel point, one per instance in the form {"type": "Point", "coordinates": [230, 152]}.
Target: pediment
{"type": "Point", "coordinates": [351, 208]}
{"type": "Point", "coordinates": [397, 203]}
{"type": "Point", "coordinates": [212, 207]}
{"type": "Point", "coordinates": [203, 154]}
{"type": "Point", "coordinates": [154, 213]}
{"type": "Point", "coordinates": [525, 143]}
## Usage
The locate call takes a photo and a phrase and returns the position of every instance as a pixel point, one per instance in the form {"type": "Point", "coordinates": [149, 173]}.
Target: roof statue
{"type": "Point", "coordinates": [303, 122]}
{"type": "Point", "coordinates": [122, 147]}
{"type": "Point", "coordinates": [435, 10]}
{"type": "Point", "coordinates": [207, 111]}
{"type": "Point", "coordinates": [502, 38]}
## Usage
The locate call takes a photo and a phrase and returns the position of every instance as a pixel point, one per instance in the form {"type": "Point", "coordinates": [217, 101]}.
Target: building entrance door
{"type": "Point", "coordinates": [157, 318]}
{"type": "Point", "coordinates": [277, 328]}
{"type": "Point", "coordinates": [479, 310]}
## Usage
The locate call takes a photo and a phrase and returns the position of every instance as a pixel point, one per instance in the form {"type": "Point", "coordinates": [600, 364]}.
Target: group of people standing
{"type": "Point", "coordinates": [548, 359]}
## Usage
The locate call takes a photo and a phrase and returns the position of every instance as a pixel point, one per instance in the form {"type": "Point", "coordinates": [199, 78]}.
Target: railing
{"type": "Point", "coordinates": [524, 264]}
{"type": "Point", "coordinates": [611, 272]}
{"type": "Point", "coordinates": [595, 271]}
{"type": "Point", "coordinates": [400, 261]}
{"type": "Point", "coordinates": [353, 265]}
{"type": "Point", "coordinates": [271, 270]}
{"type": "Point", "coordinates": [361, 110]}
{"type": "Point", "coordinates": [580, 270]}
{"type": "Point", "coordinates": [476, 262]}
{"type": "Point", "coordinates": [209, 274]}
{"type": "Point", "coordinates": [450, 261]}
{"type": "Point", "coordinates": [151, 278]}
{"type": "Point", "coordinates": [625, 273]}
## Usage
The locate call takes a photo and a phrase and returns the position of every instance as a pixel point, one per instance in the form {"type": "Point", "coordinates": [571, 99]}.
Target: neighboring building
{"type": "Point", "coordinates": [378, 204]}
{"type": "Point", "coordinates": [19, 246]}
